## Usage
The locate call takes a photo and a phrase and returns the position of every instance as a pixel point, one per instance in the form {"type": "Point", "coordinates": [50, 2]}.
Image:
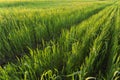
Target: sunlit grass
{"type": "Point", "coordinates": [71, 40]}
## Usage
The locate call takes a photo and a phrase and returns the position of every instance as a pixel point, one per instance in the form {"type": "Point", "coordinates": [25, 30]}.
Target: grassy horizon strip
{"type": "Point", "coordinates": [43, 4]}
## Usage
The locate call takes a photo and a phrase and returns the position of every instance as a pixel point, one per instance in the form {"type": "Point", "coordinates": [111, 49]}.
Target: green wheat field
{"type": "Point", "coordinates": [59, 39]}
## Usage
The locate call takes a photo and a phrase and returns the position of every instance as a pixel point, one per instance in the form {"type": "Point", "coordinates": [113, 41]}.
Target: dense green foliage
{"type": "Point", "coordinates": [77, 41]}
